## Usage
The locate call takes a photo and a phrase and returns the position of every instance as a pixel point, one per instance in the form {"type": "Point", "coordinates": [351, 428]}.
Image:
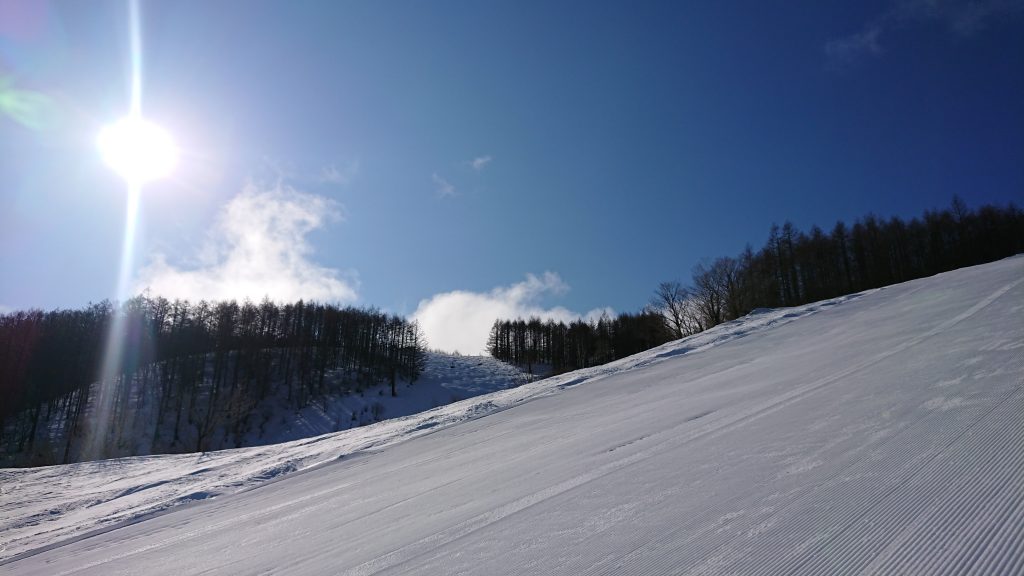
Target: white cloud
{"type": "Point", "coordinates": [962, 17]}
{"type": "Point", "coordinates": [461, 320]}
{"type": "Point", "coordinates": [480, 162]}
{"type": "Point", "coordinates": [258, 248]}
{"type": "Point", "coordinates": [341, 176]}
{"type": "Point", "coordinates": [444, 188]}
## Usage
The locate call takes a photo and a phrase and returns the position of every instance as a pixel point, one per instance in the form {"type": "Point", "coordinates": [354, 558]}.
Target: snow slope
{"type": "Point", "coordinates": [878, 433]}
{"type": "Point", "coordinates": [446, 378]}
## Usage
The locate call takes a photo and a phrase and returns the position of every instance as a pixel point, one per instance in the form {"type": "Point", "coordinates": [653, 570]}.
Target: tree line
{"type": "Point", "coordinates": [559, 347]}
{"type": "Point", "coordinates": [794, 267]}
{"type": "Point", "coordinates": [186, 372]}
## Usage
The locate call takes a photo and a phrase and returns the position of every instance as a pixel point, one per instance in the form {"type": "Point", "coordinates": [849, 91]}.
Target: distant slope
{"type": "Point", "coordinates": [445, 379]}
{"type": "Point", "coordinates": [879, 433]}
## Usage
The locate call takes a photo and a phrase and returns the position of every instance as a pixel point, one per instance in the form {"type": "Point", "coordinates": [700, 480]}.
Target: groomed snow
{"type": "Point", "coordinates": [878, 433]}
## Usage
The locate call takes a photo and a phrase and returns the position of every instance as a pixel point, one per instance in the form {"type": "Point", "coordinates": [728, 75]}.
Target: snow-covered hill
{"type": "Point", "coordinates": [877, 433]}
{"type": "Point", "coordinates": [445, 379]}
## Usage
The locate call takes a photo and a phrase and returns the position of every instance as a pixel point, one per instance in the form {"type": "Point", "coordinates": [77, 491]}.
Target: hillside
{"type": "Point", "coordinates": [445, 379]}
{"type": "Point", "coordinates": [874, 433]}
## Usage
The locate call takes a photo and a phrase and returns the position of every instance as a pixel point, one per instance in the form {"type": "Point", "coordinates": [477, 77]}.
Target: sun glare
{"type": "Point", "coordinates": [138, 150]}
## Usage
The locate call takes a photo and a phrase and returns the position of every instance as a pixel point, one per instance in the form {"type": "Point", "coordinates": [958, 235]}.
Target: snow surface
{"type": "Point", "coordinates": [876, 433]}
{"type": "Point", "coordinates": [446, 378]}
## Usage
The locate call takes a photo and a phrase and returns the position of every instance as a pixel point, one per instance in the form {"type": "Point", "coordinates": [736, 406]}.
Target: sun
{"type": "Point", "coordinates": [138, 150]}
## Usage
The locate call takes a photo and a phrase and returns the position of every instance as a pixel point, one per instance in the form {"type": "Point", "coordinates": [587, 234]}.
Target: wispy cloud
{"type": "Point", "coordinates": [276, 169]}
{"type": "Point", "coordinates": [342, 176]}
{"type": "Point", "coordinates": [848, 49]}
{"type": "Point", "coordinates": [461, 320]}
{"type": "Point", "coordinates": [258, 248]}
{"type": "Point", "coordinates": [480, 162]}
{"type": "Point", "coordinates": [961, 17]}
{"type": "Point", "coordinates": [968, 18]}
{"type": "Point", "coordinates": [444, 188]}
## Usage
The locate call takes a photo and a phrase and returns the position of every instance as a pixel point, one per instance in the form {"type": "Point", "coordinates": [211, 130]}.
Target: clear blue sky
{"type": "Point", "coordinates": [625, 140]}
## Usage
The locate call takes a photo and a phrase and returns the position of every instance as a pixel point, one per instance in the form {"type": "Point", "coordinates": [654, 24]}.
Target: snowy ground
{"type": "Point", "coordinates": [445, 379]}
{"type": "Point", "coordinates": [879, 433]}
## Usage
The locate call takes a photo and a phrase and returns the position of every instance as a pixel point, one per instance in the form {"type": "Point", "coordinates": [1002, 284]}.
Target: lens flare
{"type": "Point", "coordinates": [139, 151]}
{"type": "Point", "coordinates": [33, 110]}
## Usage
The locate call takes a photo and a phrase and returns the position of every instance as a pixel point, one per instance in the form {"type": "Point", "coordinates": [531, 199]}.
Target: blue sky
{"type": "Point", "coordinates": [466, 159]}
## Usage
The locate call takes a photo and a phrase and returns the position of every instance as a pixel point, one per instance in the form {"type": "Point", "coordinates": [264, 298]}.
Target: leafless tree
{"type": "Point", "coordinates": [670, 299]}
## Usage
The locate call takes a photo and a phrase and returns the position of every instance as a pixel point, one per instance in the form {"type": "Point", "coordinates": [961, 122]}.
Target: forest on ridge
{"type": "Point", "coordinates": [187, 371]}
{"type": "Point", "coordinates": [792, 268]}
